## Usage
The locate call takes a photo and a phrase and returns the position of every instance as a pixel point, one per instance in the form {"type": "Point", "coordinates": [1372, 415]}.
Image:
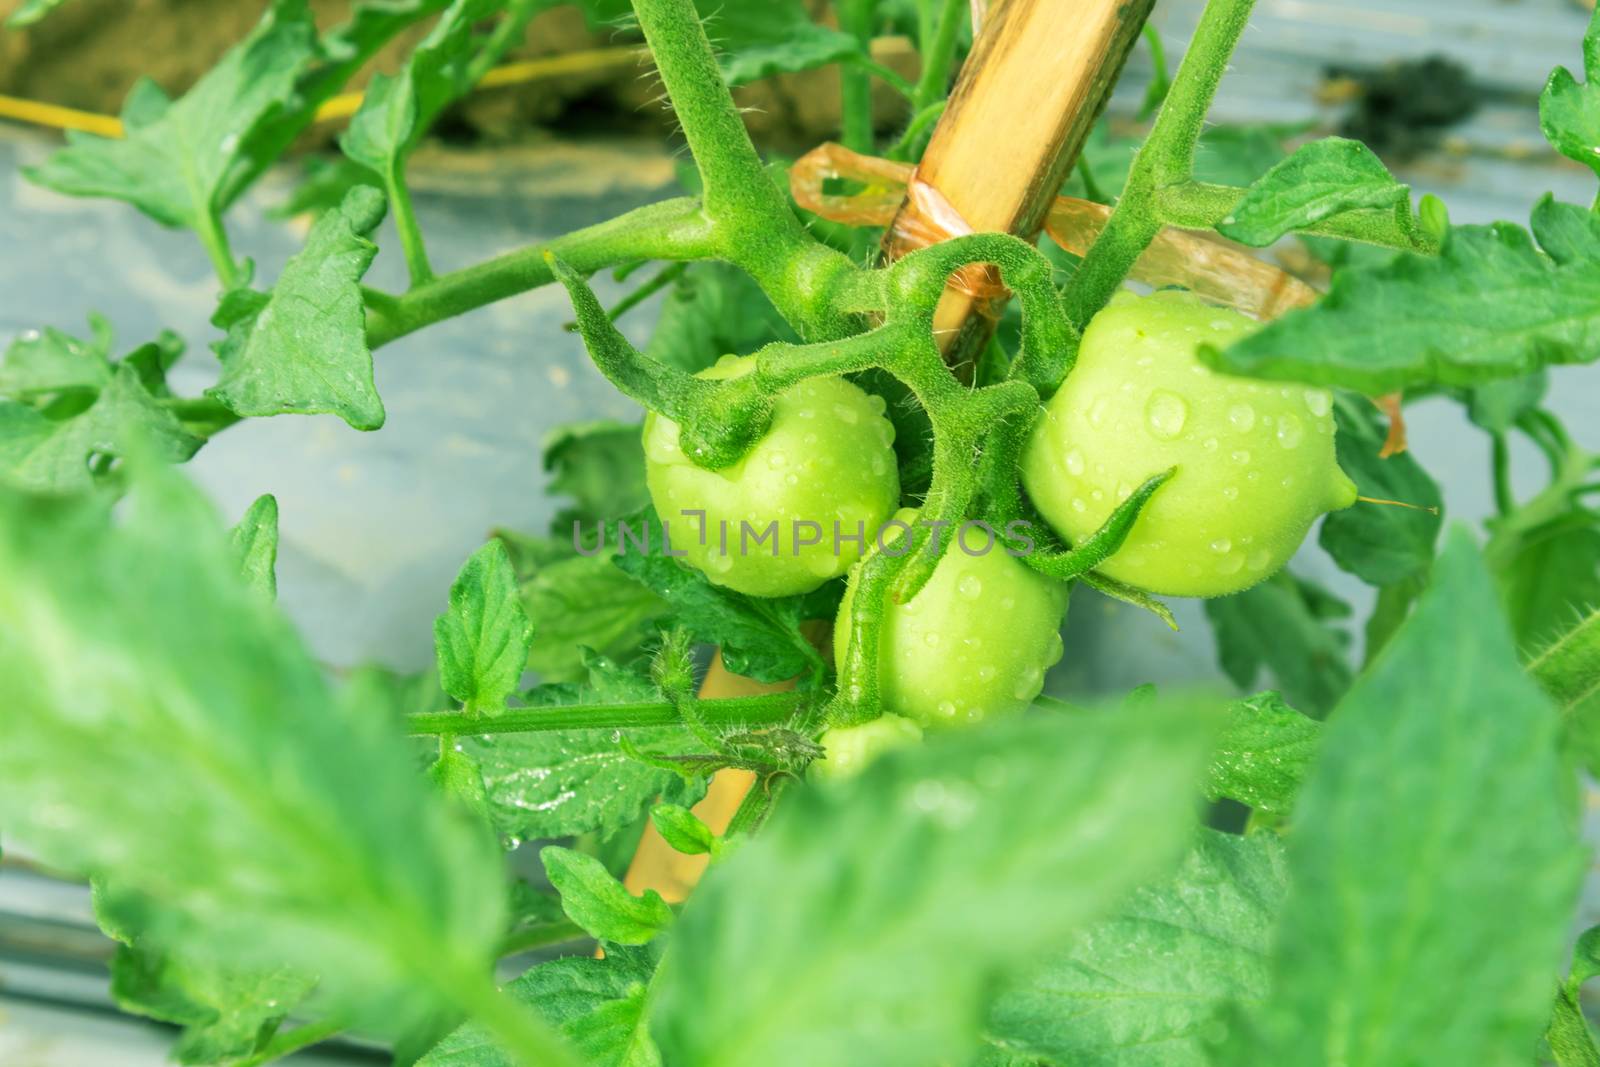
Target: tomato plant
{"type": "Point", "coordinates": [1387, 862]}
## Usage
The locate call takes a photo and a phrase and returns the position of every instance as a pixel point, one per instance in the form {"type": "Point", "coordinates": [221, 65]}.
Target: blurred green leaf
{"type": "Point", "coordinates": [30, 12]}
{"type": "Point", "coordinates": [598, 1004]}
{"type": "Point", "coordinates": [1495, 406]}
{"type": "Point", "coordinates": [302, 348]}
{"type": "Point", "coordinates": [40, 363]}
{"type": "Point", "coordinates": [1282, 625]}
{"type": "Point", "coordinates": [594, 899]}
{"type": "Point", "coordinates": [482, 640]}
{"type": "Point", "coordinates": [1379, 543]}
{"type": "Point", "coordinates": [881, 911]}
{"type": "Point", "coordinates": [1423, 320]}
{"type": "Point", "coordinates": [1569, 113]}
{"type": "Point", "coordinates": [1263, 754]}
{"type": "Point", "coordinates": [1434, 857]}
{"type": "Point", "coordinates": [1319, 180]}
{"type": "Point", "coordinates": [37, 452]}
{"type": "Point", "coordinates": [714, 309]}
{"type": "Point", "coordinates": [1141, 987]}
{"type": "Point", "coordinates": [600, 465]}
{"type": "Point", "coordinates": [255, 546]}
{"type": "Point", "coordinates": [226, 1014]}
{"type": "Point", "coordinates": [274, 828]}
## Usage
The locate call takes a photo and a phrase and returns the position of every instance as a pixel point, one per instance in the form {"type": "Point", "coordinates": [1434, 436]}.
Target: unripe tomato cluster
{"type": "Point", "coordinates": [1253, 464]}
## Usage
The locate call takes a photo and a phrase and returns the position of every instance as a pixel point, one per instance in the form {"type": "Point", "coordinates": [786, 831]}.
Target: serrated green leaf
{"type": "Point", "coordinates": [585, 602]}
{"type": "Point", "coordinates": [1263, 754]}
{"type": "Point", "coordinates": [594, 899]}
{"type": "Point", "coordinates": [1319, 180]}
{"type": "Point", "coordinates": [1282, 625]}
{"type": "Point", "coordinates": [598, 1005]}
{"type": "Point", "coordinates": [1434, 857]}
{"type": "Point", "coordinates": [1569, 113]}
{"type": "Point", "coordinates": [255, 546]}
{"type": "Point", "coordinates": [40, 453]}
{"type": "Point", "coordinates": [1141, 987]}
{"type": "Point", "coordinates": [1380, 543]}
{"type": "Point", "coordinates": [600, 465]}
{"type": "Point", "coordinates": [482, 640]}
{"type": "Point", "coordinates": [44, 362]}
{"type": "Point", "coordinates": [226, 1013]}
{"type": "Point", "coordinates": [760, 638]}
{"type": "Point", "coordinates": [556, 783]}
{"type": "Point", "coordinates": [397, 109]}
{"type": "Point", "coordinates": [881, 911]}
{"type": "Point", "coordinates": [176, 166]}
{"type": "Point", "coordinates": [1490, 305]}
{"type": "Point", "coordinates": [302, 348]}
{"type": "Point", "coordinates": [274, 828]}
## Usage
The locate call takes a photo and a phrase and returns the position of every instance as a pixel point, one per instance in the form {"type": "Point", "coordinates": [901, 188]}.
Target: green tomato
{"type": "Point", "coordinates": [1255, 459]}
{"type": "Point", "coordinates": [849, 750]}
{"type": "Point", "coordinates": [974, 642]}
{"type": "Point", "coordinates": [799, 508]}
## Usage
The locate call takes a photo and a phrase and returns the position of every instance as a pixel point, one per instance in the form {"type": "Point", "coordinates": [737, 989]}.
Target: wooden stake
{"type": "Point", "coordinates": [1038, 77]}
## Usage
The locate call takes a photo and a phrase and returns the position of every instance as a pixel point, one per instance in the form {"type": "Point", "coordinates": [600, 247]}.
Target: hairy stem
{"type": "Point", "coordinates": [748, 711]}
{"type": "Point", "coordinates": [405, 221]}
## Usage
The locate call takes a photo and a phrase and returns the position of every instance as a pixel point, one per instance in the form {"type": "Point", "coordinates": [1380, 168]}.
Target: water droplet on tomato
{"type": "Point", "coordinates": [1029, 682]}
{"type": "Point", "coordinates": [1319, 402]}
{"type": "Point", "coordinates": [1166, 413]}
{"type": "Point", "coordinates": [1099, 410]}
{"type": "Point", "coordinates": [986, 673]}
{"type": "Point", "coordinates": [846, 414]}
{"type": "Point", "coordinates": [1057, 649]}
{"type": "Point", "coordinates": [1241, 455]}
{"type": "Point", "coordinates": [1074, 462]}
{"type": "Point", "coordinates": [1242, 417]}
{"type": "Point", "coordinates": [970, 587]}
{"type": "Point", "coordinates": [947, 709]}
{"type": "Point", "coordinates": [931, 639]}
{"type": "Point", "coordinates": [1230, 492]}
{"type": "Point", "coordinates": [1258, 559]}
{"type": "Point", "coordinates": [1210, 444]}
{"type": "Point", "coordinates": [1290, 431]}
{"type": "Point", "coordinates": [777, 460]}
{"type": "Point", "coordinates": [1222, 544]}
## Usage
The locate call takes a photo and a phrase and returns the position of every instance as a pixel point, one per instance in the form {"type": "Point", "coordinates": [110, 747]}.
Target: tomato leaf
{"type": "Point", "coordinates": [760, 637]}
{"type": "Point", "coordinates": [555, 783]}
{"type": "Point", "coordinates": [226, 1013]}
{"type": "Point", "coordinates": [302, 348]}
{"type": "Point", "coordinates": [397, 109]}
{"type": "Point", "coordinates": [1143, 985]}
{"type": "Point", "coordinates": [1495, 406]}
{"type": "Point", "coordinates": [1434, 859]}
{"type": "Point", "coordinates": [175, 161]}
{"type": "Point", "coordinates": [274, 827]}
{"type": "Point", "coordinates": [1569, 113]}
{"type": "Point", "coordinates": [1380, 543]}
{"type": "Point", "coordinates": [1319, 180]}
{"type": "Point", "coordinates": [1490, 305]}
{"type": "Point", "coordinates": [40, 363]}
{"type": "Point", "coordinates": [1263, 755]}
{"type": "Point", "coordinates": [482, 640]}
{"type": "Point", "coordinates": [37, 452]}
{"type": "Point", "coordinates": [600, 465]}
{"type": "Point", "coordinates": [1281, 625]}
{"type": "Point", "coordinates": [907, 890]}
{"type": "Point", "coordinates": [712, 310]}
{"type": "Point", "coordinates": [594, 899]}
{"type": "Point", "coordinates": [598, 1005]}
{"type": "Point", "coordinates": [585, 602]}
{"type": "Point", "coordinates": [255, 546]}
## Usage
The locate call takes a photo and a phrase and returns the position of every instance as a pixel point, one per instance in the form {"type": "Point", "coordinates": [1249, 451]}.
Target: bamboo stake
{"type": "Point", "coordinates": [1038, 77]}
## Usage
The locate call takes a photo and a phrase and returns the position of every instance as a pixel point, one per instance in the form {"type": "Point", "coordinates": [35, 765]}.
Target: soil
{"type": "Point", "coordinates": [89, 53]}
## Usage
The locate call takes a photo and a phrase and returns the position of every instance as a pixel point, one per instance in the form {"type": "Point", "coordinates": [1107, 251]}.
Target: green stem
{"type": "Point", "coordinates": [748, 711]}
{"type": "Point", "coordinates": [405, 220]}
{"type": "Point", "coordinates": [938, 55]}
{"type": "Point", "coordinates": [672, 229]}
{"type": "Point", "coordinates": [915, 128]}
{"type": "Point", "coordinates": [1166, 158]}
{"type": "Point", "coordinates": [855, 83]}
{"type": "Point", "coordinates": [756, 806]}
{"type": "Point", "coordinates": [214, 235]}
{"type": "Point", "coordinates": [1504, 502]}
{"type": "Point", "coordinates": [663, 278]}
{"type": "Point", "coordinates": [883, 73]}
